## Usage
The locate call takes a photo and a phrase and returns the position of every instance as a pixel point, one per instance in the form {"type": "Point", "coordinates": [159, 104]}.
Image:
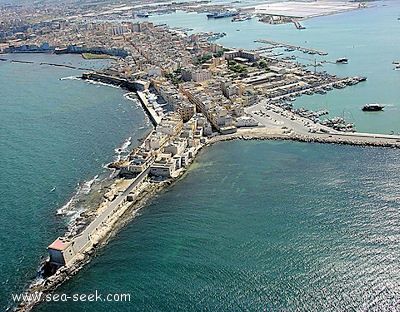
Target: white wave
{"type": "Point", "coordinates": [124, 146]}
{"type": "Point", "coordinates": [69, 208]}
{"type": "Point", "coordinates": [70, 78]}
{"type": "Point", "coordinates": [101, 83]}
{"type": "Point", "coordinates": [128, 96]}
{"type": "Point", "coordinates": [133, 99]}
{"type": "Point", "coordinates": [87, 186]}
{"type": "Point", "coordinates": [37, 281]}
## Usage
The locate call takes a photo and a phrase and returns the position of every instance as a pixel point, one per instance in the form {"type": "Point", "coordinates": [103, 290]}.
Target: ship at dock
{"type": "Point", "coordinates": [222, 14]}
{"type": "Point", "coordinates": [372, 107]}
{"type": "Point", "coordinates": [142, 14]}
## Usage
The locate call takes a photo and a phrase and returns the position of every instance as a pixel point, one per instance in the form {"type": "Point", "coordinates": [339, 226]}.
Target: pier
{"type": "Point", "coordinates": [297, 24]}
{"type": "Point", "coordinates": [290, 46]}
{"type": "Point", "coordinates": [278, 123]}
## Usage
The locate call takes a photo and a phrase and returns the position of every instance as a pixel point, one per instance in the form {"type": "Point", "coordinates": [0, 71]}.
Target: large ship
{"type": "Point", "coordinates": [372, 107]}
{"type": "Point", "coordinates": [222, 14]}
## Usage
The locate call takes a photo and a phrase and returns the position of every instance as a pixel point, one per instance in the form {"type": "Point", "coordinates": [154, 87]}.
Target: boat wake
{"type": "Point", "coordinates": [70, 78]}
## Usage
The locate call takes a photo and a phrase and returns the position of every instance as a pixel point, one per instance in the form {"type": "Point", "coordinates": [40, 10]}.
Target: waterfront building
{"type": "Point", "coordinates": [171, 124]}
{"type": "Point", "coordinates": [245, 121]}
{"type": "Point", "coordinates": [155, 141]}
{"type": "Point", "coordinates": [176, 147]}
{"type": "Point", "coordinates": [61, 251]}
{"type": "Point", "coordinates": [163, 166]}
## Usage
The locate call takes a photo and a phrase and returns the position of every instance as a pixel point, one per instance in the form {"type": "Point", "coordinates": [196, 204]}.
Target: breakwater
{"type": "Point", "coordinates": [133, 86]}
{"type": "Point", "coordinates": [44, 63]}
{"type": "Point", "coordinates": [113, 80]}
{"type": "Point", "coordinates": [354, 139]}
{"type": "Point", "coordinates": [291, 46]}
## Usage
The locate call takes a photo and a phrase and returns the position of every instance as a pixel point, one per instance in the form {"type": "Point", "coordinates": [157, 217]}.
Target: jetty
{"type": "Point", "coordinates": [297, 24]}
{"type": "Point", "coordinates": [290, 46]}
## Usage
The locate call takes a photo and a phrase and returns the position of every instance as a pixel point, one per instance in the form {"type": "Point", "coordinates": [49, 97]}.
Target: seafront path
{"type": "Point", "coordinates": [85, 239]}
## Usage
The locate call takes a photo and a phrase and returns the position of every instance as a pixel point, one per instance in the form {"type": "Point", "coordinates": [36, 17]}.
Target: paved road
{"type": "Point", "coordinates": [81, 240]}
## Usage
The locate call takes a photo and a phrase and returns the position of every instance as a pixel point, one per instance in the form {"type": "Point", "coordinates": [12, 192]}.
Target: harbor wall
{"type": "Point", "coordinates": [128, 85]}
{"type": "Point", "coordinates": [116, 81]}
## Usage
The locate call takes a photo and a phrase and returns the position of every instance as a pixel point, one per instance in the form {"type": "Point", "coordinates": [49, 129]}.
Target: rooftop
{"type": "Point", "coordinates": [59, 244]}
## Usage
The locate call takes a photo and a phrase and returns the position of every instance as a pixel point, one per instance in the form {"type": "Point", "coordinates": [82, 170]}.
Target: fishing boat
{"type": "Point", "coordinates": [372, 107]}
{"type": "Point", "coordinates": [342, 60]}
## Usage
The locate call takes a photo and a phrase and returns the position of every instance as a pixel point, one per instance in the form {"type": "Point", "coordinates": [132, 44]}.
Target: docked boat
{"type": "Point", "coordinates": [241, 18]}
{"type": "Point", "coordinates": [142, 14]}
{"type": "Point", "coordinates": [372, 107]}
{"type": "Point", "coordinates": [222, 14]}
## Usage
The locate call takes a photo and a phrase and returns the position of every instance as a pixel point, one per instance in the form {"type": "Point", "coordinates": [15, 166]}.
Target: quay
{"type": "Point", "coordinates": [290, 46]}
{"type": "Point", "coordinates": [123, 83]}
{"type": "Point", "coordinates": [151, 113]}
{"type": "Point", "coordinates": [278, 123]}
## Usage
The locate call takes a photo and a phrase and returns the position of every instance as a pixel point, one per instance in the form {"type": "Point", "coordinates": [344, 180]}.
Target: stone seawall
{"type": "Point", "coordinates": [260, 134]}
{"type": "Point", "coordinates": [116, 81]}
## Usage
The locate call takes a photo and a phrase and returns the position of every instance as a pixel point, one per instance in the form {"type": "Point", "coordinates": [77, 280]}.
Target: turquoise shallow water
{"type": "Point", "coordinates": [260, 226]}
{"type": "Point", "coordinates": [54, 133]}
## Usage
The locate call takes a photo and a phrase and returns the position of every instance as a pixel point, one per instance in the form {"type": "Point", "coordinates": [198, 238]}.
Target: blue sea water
{"type": "Point", "coordinates": [260, 226]}
{"type": "Point", "coordinates": [54, 134]}
{"type": "Point", "coordinates": [252, 225]}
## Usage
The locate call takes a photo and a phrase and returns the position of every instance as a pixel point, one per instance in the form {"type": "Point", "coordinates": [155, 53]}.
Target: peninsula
{"type": "Point", "coordinates": [196, 93]}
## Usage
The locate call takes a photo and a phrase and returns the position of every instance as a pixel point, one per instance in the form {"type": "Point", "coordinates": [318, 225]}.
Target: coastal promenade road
{"type": "Point", "coordinates": [82, 239]}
